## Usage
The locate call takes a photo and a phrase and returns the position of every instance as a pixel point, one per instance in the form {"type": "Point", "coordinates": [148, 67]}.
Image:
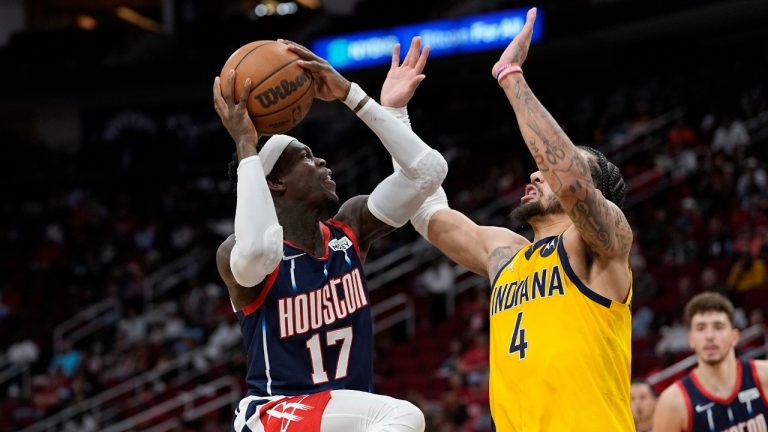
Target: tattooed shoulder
{"type": "Point", "coordinates": [497, 258]}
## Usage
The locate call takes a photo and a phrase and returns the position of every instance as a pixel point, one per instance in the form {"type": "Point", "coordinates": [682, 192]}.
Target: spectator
{"type": "Point", "coordinates": [752, 183]}
{"type": "Point", "coordinates": [24, 352]}
{"type": "Point", "coordinates": [747, 273]}
{"type": "Point", "coordinates": [66, 360]}
{"type": "Point", "coordinates": [642, 399]}
{"type": "Point", "coordinates": [438, 280]}
{"type": "Point", "coordinates": [731, 138]}
{"type": "Point", "coordinates": [674, 340]}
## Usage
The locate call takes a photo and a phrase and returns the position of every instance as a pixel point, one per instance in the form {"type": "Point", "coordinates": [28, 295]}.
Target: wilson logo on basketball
{"type": "Point", "coordinates": [273, 95]}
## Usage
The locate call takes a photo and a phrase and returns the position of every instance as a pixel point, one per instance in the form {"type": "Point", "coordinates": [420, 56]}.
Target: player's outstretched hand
{"type": "Point", "coordinates": [234, 113]}
{"type": "Point", "coordinates": [403, 79]}
{"type": "Point", "coordinates": [329, 84]}
{"type": "Point", "coordinates": [517, 50]}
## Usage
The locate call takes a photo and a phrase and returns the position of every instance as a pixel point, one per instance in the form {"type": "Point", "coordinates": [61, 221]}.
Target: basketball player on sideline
{"type": "Point", "coordinates": [294, 271]}
{"type": "Point", "coordinates": [642, 400]}
{"type": "Point", "coordinates": [723, 393]}
{"type": "Point", "coordinates": [560, 317]}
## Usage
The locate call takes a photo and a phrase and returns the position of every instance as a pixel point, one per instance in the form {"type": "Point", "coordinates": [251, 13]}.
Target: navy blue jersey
{"type": "Point", "coordinates": [746, 409]}
{"type": "Point", "coordinates": [310, 328]}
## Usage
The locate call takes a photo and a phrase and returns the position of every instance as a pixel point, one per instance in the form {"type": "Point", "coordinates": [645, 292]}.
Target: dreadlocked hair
{"type": "Point", "coordinates": [607, 177]}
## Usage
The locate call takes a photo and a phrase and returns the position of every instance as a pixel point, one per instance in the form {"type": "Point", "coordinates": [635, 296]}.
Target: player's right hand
{"type": "Point", "coordinates": [329, 83]}
{"type": "Point", "coordinates": [234, 113]}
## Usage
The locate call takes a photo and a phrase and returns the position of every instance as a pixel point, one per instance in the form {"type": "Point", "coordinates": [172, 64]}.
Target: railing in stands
{"type": "Point", "coordinates": [88, 321]}
{"type": "Point", "coordinates": [398, 308]}
{"type": "Point", "coordinates": [185, 400]}
{"type": "Point", "coordinates": [182, 368]}
{"type": "Point", "coordinates": [10, 370]}
{"type": "Point", "coordinates": [749, 335]}
{"type": "Point", "coordinates": [183, 268]}
{"type": "Point", "coordinates": [108, 311]}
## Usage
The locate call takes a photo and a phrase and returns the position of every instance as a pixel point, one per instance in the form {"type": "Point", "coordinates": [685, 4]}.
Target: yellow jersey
{"type": "Point", "coordinates": [560, 352]}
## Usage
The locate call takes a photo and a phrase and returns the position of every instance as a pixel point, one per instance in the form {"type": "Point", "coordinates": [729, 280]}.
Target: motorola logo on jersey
{"type": "Point", "coordinates": [336, 300]}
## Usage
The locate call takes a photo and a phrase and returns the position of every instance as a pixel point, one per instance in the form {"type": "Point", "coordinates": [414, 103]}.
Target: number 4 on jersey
{"type": "Point", "coordinates": [518, 343]}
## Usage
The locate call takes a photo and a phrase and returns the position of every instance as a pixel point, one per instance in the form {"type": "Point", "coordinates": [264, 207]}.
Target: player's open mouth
{"type": "Point", "coordinates": [328, 179]}
{"type": "Point", "coordinates": [530, 193]}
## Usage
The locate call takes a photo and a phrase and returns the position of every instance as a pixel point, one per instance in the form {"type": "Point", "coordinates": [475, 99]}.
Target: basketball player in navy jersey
{"type": "Point", "coordinates": [294, 271]}
{"type": "Point", "coordinates": [723, 393]}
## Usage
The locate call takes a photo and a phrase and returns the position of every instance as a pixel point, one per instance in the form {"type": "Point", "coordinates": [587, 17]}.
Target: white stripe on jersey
{"type": "Point", "coordinates": [266, 356]}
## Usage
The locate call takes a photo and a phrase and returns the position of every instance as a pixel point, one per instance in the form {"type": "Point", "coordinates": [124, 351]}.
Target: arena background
{"type": "Point", "coordinates": [115, 193]}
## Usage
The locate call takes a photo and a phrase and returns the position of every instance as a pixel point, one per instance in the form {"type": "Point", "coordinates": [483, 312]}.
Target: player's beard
{"type": "Point", "coordinates": [524, 212]}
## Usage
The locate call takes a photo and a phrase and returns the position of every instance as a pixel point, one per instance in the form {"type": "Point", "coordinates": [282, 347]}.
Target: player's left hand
{"type": "Point", "coordinates": [403, 79]}
{"type": "Point", "coordinates": [329, 84]}
{"type": "Point", "coordinates": [517, 50]}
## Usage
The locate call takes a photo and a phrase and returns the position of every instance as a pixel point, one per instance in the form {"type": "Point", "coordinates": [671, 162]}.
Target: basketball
{"type": "Point", "coordinates": [281, 91]}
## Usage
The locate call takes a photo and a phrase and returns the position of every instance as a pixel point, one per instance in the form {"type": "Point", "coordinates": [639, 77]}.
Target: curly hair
{"type": "Point", "coordinates": [607, 177]}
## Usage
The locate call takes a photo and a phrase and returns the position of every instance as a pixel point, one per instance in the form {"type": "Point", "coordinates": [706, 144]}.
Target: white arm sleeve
{"type": "Point", "coordinates": [418, 161]}
{"type": "Point", "coordinates": [399, 196]}
{"type": "Point", "coordinates": [438, 200]}
{"type": "Point", "coordinates": [258, 235]}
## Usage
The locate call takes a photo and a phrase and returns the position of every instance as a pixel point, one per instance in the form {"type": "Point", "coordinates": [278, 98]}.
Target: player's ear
{"type": "Point", "coordinates": [735, 335]}
{"type": "Point", "coordinates": [276, 184]}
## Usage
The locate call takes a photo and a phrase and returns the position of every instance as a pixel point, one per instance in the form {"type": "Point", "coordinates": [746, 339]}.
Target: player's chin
{"type": "Point", "coordinates": [331, 199]}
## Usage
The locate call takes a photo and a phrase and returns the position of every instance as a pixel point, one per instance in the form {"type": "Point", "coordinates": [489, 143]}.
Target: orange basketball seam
{"type": "Point", "coordinates": [254, 87]}
{"type": "Point", "coordinates": [286, 107]}
{"type": "Point", "coordinates": [249, 53]}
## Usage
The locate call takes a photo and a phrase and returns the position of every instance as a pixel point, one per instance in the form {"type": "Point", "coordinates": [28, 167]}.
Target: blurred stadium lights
{"type": "Point", "coordinates": [309, 4]}
{"type": "Point", "coordinates": [87, 22]}
{"type": "Point", "coordinates": [131, 16]}
{"type": "Point", "coordinates": [272, 7]}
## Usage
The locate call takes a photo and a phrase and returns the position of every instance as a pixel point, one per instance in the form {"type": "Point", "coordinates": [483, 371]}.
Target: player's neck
{"type": "Point", "coordinates": [719, 379]}
{"type": "Point", "coordinates": [549, 225]}
{"type": "Point", "coordinates": [301, 227]}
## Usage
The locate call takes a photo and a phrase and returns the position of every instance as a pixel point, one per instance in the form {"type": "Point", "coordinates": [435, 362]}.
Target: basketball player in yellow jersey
{"type": "Point", "coordinates": [560, 318]}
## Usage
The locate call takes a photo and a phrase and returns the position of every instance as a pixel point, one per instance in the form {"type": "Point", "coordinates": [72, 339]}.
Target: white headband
{"type": "Point", "coordinates": [272, 150]}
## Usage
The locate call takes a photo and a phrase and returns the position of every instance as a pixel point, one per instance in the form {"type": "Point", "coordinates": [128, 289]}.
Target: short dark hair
{"type": "Point", "coordinates": [607, 177]}
{"type": "Point", "coordinates": [708, 302]}
{"type": "Point", "coordinates": [641, 381]}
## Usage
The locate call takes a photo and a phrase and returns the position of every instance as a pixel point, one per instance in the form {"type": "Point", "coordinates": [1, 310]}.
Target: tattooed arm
{"type": "Point", "coordinates": [481, 249]}
{"type": "Point", "coordinates": [600, 223]}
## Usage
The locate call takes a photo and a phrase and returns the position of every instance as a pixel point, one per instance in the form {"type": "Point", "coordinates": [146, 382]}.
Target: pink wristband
{"type": "Point", "coordinates": [507, 69]}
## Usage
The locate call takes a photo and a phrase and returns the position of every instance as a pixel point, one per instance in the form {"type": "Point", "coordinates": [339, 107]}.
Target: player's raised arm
{"type": "Point", "coordinates": [256, 248]}
{"type": "Point", "coordinates": [601, 223]}
{"type": "Point", "coordinates": [422, 169]}
{"type": "Point", "coordinates": [480, 249]}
